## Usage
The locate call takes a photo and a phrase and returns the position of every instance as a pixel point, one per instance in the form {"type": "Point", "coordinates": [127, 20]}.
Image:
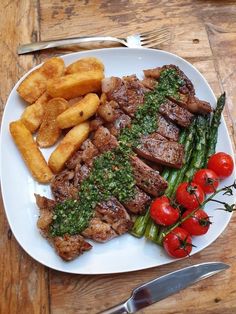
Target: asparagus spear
{"type": "Point", "coordinates": [211, 145]}
{"type": "Point", "coordinates": [198, 158]}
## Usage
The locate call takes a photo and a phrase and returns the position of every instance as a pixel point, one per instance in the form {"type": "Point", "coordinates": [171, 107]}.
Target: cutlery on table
{"type": "Point", "coordinates": [164, 286]}
{"type": "Point", "coordinates": [148, 39]}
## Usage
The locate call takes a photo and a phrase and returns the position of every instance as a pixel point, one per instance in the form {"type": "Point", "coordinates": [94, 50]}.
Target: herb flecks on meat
{"type": "Point", "coordinates": [145, 119]}
{"type": "Point", "coordinates": [112, 173]}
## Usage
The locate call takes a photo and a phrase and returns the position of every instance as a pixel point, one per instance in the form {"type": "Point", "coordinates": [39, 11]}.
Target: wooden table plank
{"type": "Point", "coordinates": [204, 33]}
{"type": "Point", "coordinates": [23, 282]}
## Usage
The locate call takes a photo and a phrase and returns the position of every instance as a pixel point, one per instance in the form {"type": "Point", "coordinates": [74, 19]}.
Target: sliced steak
{"type": "Point", "coordinates": [156, 148]}
{"type": "Point", "coordinates": [114, 213]}
{"type": "Point", "coordinates": [138, 205]}
{"type": "Point", "coordinates": [46, 207]}
{"type": "Point", "coordinates": [122, 121]}
{"type": "Point", "coordinates": [62, 186]}
{"type": "Point", "coordinates": [167, 128]}
{"type": "Point", "coordinates": [89, 151]}
{"type": "Point", "coordinates": [148, 179]}
{"type": "Point", "coordinates": [69, 247]}
{"type": "Point", "coordinates": [104, 140]}
{"type": "Point", "coordinates": [175, 113]}
{"type": "Point", "coordinates": [127, 92]}
{"type": "Point", "coordinates": [99, 231]}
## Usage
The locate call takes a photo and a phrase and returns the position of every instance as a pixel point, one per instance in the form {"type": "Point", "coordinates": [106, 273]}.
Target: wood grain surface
{"type": "Point", "coordinates": [204, 33]}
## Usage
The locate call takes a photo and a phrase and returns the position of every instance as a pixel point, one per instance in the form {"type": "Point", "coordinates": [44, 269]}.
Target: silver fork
{"type": "Point", "coordinates": [150, 39]}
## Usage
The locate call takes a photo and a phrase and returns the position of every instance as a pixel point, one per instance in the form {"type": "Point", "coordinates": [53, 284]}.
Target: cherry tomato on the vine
{"type": "Point", "coordinates": [198, 223]}
{"type": "Point", "coordinates": [207, 179]}
{"type": "Point", "coordinates": [222, 164]}
{"type": "Point", "coordinates": [178, 243]}
{"type": "Point", "coordinates": [189, 195]}
{"type": "Point", "coordinates": [163, 213]}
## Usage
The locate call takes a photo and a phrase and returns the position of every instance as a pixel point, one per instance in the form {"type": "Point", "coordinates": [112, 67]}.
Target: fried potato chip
{"type": "Point", "coordinates": [30, 152]}
{"type": "Point", "coordinates": [35, 84]}
{"type": "Point", "coordinates": [79, 112]}
{"type": "Point", "coordinates": [68, 145]}
{"type": "Point", "coordinates": [32, 116]}
{"type": "Point", "coordinates": [75, 84]}
{"type": "Point", "coordinates": [49, 131]}
{"type": "Point", "coordinates": [85, 64]}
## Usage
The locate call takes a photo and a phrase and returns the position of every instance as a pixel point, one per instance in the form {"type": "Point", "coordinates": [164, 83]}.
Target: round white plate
{"type": "Point", "coordinates": [125, 253]}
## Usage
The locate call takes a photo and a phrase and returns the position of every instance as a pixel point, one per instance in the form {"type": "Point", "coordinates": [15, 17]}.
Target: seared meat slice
{"type": "Point", "coordinates": [127, 92]}
{"type": "Point", "coordinates": [167, 128]}
{"type": "Point", "coordinates": [81, 173]}
{"type": "Point", "coordinates": [99, 231]}
{"type": "Point", "coordinates": [121, 122]}
{"type": "Point", "coordinates": [148, 179]}
{"type": "Point", "coordinates": [156, 148]}
{"type": "Point", "coordinates": [89, 152]}
{"type": "Point", "coordinates": [96, 123]}
{"type": "Point", "coordinates": [62, 186]}
{"type": "Point", "coordinates": [193, 104]}
{"type": "Point", "coordinates": [114, 213]}
{"type": "Point", "coordinates": [70, 246]}
{"type": "Point", "coordinates": [111, 219]}
{"type": "Point", "coordinates": [108, 110]}
{"type": "Point", "coordinates": [46, 207]}
{"type": "Point", "coordinates": [138, 205]}
{"type": "Point", "coordinates": [155, 73]}
{"type": "Point", "coordinates": [175, 113]}
{"type": "Point", "coordinates": [104, 140]}
{"type": "Point", "coordinates": [74, 160]}
{"type": "Point", "coordinates": [152, 164]}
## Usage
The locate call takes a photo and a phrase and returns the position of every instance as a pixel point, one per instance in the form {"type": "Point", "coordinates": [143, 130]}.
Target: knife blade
{"type": "Point", "coordinates": [164, 286]}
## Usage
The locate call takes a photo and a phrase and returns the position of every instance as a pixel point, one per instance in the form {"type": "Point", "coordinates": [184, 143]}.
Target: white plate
{"type": "Point", "coordinates": [125, 253]}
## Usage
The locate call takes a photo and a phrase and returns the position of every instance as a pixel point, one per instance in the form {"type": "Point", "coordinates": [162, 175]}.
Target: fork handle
{"type": "Point", "coordinates": [63, 42]}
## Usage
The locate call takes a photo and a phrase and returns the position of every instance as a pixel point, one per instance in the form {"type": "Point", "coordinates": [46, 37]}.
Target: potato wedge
{"type": "Point", "coordinates": [32, 116]}
{"type": "Point", "coordinates": [30, 152]}
{"type": "Point", "coordinates": [68, 145]}
{"type": "Point", "coordinates": [76, 84]}
{"type": "Point", "coordinates": [35, 84]}
{"type": "Point", "coordinates": [79, 112]}
{"type": "Point", "coordinates": [85, 64]}
{"type": "Point", "coordinates": [49, 131]}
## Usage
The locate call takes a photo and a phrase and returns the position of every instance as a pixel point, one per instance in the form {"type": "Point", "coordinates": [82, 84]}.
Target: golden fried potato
{"type": "Point", "coordinates": [76, 84]}
{"type": "Point", "coordinates": [79, 112]}
{"type": "Point", "coordinates": [35, 84]}
{"type": "Point", "coordinates": [68, 145]}
{"type": "Point", "coordinates": [85, 64]}
{"type": "Point", "coordinates": [30, 152]}
{"type": "Point", "coordinates": [32, 116]}
{"type": "Point", "coordinates": [49, 131]}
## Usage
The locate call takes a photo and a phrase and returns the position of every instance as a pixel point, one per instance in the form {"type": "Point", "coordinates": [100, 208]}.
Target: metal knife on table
{"type": "Point", "coordinates": [164, 286]}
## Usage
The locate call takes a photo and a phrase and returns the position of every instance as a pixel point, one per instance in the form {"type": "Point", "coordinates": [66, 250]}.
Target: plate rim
{"type": "Point", "coordinates": [81, 53]}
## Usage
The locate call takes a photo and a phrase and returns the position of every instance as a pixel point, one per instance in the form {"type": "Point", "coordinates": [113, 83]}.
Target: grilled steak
{"type": "Point", "coordinates": [111, 219]}
{"type": "Point", "coordinates": [176, 114]}
{"type": "Point", "coordinates": [104, 140]}
{"type": "Point", "coordinates": [70, 246]}
{"type": "Point", "coordinates": [128, 93]}
{"type": "Point", "coordinates": [156, 148]}
{"type": "Point", "coordinates": [138, 205]}
{"type": "Point", "coordinates": [148, 179]}
{"type": "Point", "coordinates": [167, 128]}
{"type": "Point", "coordinates": [62, 186]}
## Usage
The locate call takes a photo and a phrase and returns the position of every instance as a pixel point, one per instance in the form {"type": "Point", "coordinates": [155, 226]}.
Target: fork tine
{"type": "Point", "coordinates": [155, 43]}
{"type": "Point", "coordinates": [154, 31]}
{"type": "Point", "coordinates": [155, 38]}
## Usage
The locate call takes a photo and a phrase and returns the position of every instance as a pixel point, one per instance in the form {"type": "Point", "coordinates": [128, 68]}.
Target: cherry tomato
{"type": "Point", "coordinates": [197, 224]}
{"type": "Point", "coordinates": [178, 243]}
{"type": "Point", "coordinates": [189, 195]}
{"type": "Point", "coordinates": [207, 179]}
{"type": "Point", "coordinates": [222, 164]}
{"type": "Point", "coordinates": [163, 213]}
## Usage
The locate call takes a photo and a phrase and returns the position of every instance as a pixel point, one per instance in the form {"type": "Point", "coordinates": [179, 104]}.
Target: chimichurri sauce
{"type": "Point", "coordinates": [112, 173]}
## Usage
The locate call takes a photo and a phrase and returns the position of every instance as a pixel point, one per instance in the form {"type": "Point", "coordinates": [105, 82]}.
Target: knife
{"type": "Point", "coordinates": [164, 286]}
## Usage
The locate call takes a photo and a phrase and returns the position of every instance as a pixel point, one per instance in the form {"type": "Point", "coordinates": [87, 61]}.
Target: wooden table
{"type": "Point", "coordinates": [204, 33]}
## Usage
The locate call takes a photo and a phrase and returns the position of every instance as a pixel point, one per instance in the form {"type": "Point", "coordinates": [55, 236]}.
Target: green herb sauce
{"type": "Point", "coordinates": [112, 173]}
